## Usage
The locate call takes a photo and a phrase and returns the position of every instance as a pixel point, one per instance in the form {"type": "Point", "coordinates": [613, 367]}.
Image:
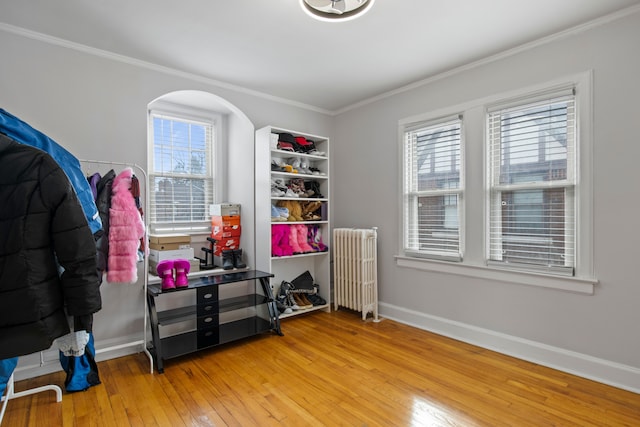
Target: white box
{"type": "Point", "coordinates": [224, 209]}
{"type": "Point", "coordinates": [273, 141]}
{"type": "Point", "coordinates": [157, 256]}
{"type": "Point", "coordinates": [195, 266]}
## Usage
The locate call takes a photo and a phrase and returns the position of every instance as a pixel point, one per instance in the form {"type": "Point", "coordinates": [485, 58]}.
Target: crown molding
{"type": "Point", "coordinates": [496, 57]}
{"type": "Point", "coordinates": [431, 79]}
{"type": "Point", "coordinates": [152, 66]}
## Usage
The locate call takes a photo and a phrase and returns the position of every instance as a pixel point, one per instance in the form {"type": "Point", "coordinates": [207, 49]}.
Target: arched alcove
{"type": "Point", "coordinates": [234, 157]}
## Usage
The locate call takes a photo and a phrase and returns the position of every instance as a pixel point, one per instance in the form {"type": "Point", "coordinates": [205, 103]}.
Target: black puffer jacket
{"type": "Point", "coordinates": [41, 221]}
{"type": "Point", "coordinates": [103, 202]}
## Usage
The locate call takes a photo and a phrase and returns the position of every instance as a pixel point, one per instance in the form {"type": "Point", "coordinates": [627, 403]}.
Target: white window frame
{"type": "Point", "coordinates": [187, 114]}
{"type": "Point", "coordinates": [496, 251]}
{"type": "Point", "coordinates": [411, 192]}
{"type": "Point", "coordinates": [474, 264]}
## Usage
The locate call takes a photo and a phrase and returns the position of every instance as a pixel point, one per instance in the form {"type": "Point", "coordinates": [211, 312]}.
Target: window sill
{"type": "Point", "coordinates": [569, 284]}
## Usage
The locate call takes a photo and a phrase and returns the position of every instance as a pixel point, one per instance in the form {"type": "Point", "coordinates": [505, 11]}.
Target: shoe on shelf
{"type": "Point", "coordinates": [283, 309]}
{"type": "Point", "coordinates": [292, 303]}
{"type": "Point", "coordinates": [316, 171]}
{"type": "Point", "coordinates": [182, 267]}
{"type": "Point", "coordinates": [316, 299]}
{"type": "Point", "coordinates": [311, 149]}
{"type": "Point", "coordinates": [304, 167]}
{"type": "Point", "coordinates": [165, 272]}
{"type": "Point", "coordinates": [227, 259]}
{"type": "Point", "coordinates": [302, 302]}
{"type": "Point", "coordinates": [237, 259]}
{"type": "Point", "coordinates": [304, 282]}
{"type": "Point", "coordinates": [305, 299]}
{"type": "Point", "coordinates": [285, 296]}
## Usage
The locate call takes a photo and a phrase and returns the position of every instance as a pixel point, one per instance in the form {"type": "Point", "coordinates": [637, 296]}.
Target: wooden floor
{"type": "Point", "coordinates": [331, 369]}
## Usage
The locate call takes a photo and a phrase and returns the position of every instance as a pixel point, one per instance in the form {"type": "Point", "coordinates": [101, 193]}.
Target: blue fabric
{"type": "Point", "coordinates": [6, 369]}
{"type": "Point", "coordinates": [82, 371]}
{"type": "Point", "coordinates": [23, 133]}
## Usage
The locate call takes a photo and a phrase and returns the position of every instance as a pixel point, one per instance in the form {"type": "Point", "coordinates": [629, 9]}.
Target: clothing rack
{"type": "Point", "coordinates": [145, 195]}
{"type": "Point", "coordinates": [9, 392]}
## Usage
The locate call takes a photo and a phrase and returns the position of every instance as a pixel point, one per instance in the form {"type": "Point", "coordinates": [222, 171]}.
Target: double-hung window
{"type": "Point", "coordinates": [432, 189]}
{"type": "Point", "coordinates": [181, 173]}
{"type": "Point", "coordinates": [532, 183]}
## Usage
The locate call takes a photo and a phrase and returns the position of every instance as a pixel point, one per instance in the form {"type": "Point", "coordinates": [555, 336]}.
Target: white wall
{"type": "Point", "coordinates": [593, 335]}
{"type": "Point", "coordinates": [95, 105]}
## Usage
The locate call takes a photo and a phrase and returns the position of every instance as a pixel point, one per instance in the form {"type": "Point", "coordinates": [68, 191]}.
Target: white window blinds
{"type": "Point", "coordinates": [532, 178]}
{"type": "Point", "coordinates": [181, 174]}
{"type": "Point", "coordinates": [433, 189]}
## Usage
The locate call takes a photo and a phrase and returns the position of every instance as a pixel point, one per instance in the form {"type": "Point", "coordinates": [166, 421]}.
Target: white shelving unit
{"type": "Point", "coordinates": [287, 268]}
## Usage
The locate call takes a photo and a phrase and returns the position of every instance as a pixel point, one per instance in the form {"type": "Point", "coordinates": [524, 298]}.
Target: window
{"type": "Point", "coordinates": [523, 206]}
{"type": "Point", "coordinates": [181, 177]}
{"type": "Point", "coordinates": [433, 189]}
{"type": "Point", "coordinates": [532, 179]}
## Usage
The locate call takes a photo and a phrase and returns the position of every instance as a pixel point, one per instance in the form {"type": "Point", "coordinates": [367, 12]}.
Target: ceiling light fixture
{"type": "Point", "coordinates": [336, 10]}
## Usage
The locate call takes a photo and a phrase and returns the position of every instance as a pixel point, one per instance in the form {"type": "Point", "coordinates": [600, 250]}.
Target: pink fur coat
{"type": "Point", "coordinates": [125, 231]}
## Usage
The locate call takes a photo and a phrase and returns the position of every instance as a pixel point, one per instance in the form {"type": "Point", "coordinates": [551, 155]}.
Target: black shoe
{"type": "Point", "coordinates": [283, 309]}
{"type": "Point", "coordinates": [284, 295]}
{"type": "Point", "coordinates": [237, 259]}
{"type": "Point", "coordinates": [316, 299]}
{"type": "Point", "coordinates": [227, 259]}
{"type": "Point", "coordinates": [303, 281]}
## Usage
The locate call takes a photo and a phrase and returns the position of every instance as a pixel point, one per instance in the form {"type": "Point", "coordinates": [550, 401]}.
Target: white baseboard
{"type": "Point", "coordinates": [600, 370]}
{"type": "Point", "coordinates": [48, 361]}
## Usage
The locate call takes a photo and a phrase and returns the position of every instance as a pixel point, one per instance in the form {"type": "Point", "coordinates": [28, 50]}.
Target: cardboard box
{"type": "Point", "coordinates": [157, 256]}
{"type": "Point", "coordinates": [220, 232]}
{"type": "Point", "coordinates": [170, 238]}
{"type": "Point", "coordinates": [195, 265]}
{"type": "Point", "coordinates": [224, 209]}
{"type": "Point", "coordinates": [223, 244]}
{"type": "Point", "coordinates": [225, 221]}
{"type": "Point", "coordinates": [169, 246]}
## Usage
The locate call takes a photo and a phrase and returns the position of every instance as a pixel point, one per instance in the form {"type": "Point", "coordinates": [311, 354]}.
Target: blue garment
{"type": "Point", "coordinates": [23, 133]}
{"type": "Point", "coordinates": [82, 371]}
{"type": "Point", "coordinates": [6, 369]}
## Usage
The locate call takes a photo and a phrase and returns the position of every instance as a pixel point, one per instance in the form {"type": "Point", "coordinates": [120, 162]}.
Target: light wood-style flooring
{"type": "Point", "coordinates": [331, 369]}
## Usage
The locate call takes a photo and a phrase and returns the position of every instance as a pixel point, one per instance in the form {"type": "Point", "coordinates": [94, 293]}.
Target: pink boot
{"type": "Point", "coordinates": [182, 267]}
{"type": "Point", "coordinates": [303, 239]}
{"type": "Point", "coordinates": [276, 237]}
{"type": "Point", "coordinates": [284, 242]}
{"type": "Point", "coordinates": [293, 239]}
{"type": "Point", "coordinates": [165, 272]}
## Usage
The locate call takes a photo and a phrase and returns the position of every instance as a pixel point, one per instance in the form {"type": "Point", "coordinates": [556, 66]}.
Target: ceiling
{"type": "Point", "coordinates": [272, 47]}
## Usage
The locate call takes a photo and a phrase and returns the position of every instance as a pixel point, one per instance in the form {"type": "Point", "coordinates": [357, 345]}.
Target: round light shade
{"type": "Point", "coordinates": [336, 10]}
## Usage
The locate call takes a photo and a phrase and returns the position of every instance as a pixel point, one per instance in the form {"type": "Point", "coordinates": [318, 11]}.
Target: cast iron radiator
{"type": "Point", "coordinates": [355, 270]}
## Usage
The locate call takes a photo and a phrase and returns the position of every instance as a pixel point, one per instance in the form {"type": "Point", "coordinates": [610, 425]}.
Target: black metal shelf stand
{"type": "Point", "coordinates": [209, 331]}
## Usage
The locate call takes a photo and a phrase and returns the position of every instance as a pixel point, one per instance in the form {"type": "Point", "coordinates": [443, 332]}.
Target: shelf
{"type": "Point", "coordinates": [206, 312]}
{"type": "Point", "coordinates": [153, 279]}
{"type": "Point", "coordinates": [286, 268]}
{"type": "Point", "coordinates": [226, 277]}
{"type": "Point", "coordinates": [176, 315]}
{"type": "Point", "coordinates": [241, 302]}
{"type": "Point", "coordinates": [299, 222]}
{"type": "Point", "coordinates": [302, 199]}
{"type": "Point", "coordinates": [300, 255]}
{"type": "Point", "coordinates": [296, 154]}
{"type": "Point", "coordinates": [305, 310]}
{"type": "Point", "coordinates": [186, 343]}
{"type": "Point", "coordinates": [299, 175]}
